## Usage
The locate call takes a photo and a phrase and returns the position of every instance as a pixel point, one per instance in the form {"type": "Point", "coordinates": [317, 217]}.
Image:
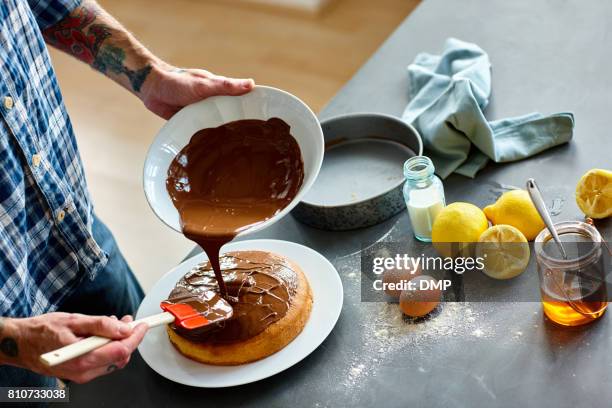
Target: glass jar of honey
{"type": "Point", "coordinates": [573, 289]}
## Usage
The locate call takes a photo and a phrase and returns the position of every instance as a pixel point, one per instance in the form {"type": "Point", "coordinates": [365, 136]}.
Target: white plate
{"type": "Point", "coordinates": [327, 296]}
{"type": "Point", "coordinates": [264, 103]}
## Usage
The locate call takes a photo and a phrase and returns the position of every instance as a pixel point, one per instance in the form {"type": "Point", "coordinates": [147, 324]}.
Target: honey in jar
{"type": "Point", "coordinates": [573, 289]}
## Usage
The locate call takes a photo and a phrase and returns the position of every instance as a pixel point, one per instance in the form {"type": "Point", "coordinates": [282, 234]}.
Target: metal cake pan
{"type": "Point", "coordinates": [361, 179]}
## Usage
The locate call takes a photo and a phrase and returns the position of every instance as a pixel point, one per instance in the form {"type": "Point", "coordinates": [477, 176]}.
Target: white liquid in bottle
{"type": "Point", "coordinates": [423, 207]}
{"type": "Point", "coordinates": [424, 195]}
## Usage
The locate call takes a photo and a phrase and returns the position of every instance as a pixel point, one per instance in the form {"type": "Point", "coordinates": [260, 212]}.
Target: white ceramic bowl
{"type": "Point", "coordinates": [263, 102]}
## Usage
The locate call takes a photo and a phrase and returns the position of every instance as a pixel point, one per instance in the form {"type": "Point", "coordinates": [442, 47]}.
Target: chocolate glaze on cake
{"type": "Point", "coordinates": [260, 286]}
{"type": "Point", "coordinates": [208, 303]}
{"type": "Point", "coordinates": [233, 177]}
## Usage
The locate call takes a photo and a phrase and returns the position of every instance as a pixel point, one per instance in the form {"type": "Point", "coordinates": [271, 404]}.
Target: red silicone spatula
{"type": "Point", "coordinates": [181, 314]}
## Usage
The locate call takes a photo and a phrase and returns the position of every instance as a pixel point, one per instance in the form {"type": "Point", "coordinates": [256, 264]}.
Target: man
{"type": "Point", "coordinates": [55, 255]}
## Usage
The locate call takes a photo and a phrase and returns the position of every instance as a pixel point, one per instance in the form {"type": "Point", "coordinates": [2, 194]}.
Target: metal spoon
{"type": "Point", "coordinates": [538, 201]}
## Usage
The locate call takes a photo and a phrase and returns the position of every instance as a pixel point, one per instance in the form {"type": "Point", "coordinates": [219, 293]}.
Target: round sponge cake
{"type": "Point", "coordinates": [271, 299]}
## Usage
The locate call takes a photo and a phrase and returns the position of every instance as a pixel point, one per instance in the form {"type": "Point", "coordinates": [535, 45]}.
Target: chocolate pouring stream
{"type": "Point", "coordinates": [228, 179]}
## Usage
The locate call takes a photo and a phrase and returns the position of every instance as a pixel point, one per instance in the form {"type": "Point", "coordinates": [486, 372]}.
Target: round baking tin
{"type": "Point", "coordinates": [361, 179]}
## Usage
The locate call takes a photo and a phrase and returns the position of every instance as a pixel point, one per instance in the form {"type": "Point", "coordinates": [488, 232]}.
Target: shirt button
{"type": "Point", "coordinates": [36, 160]}
{"type": "Point", "coordinates": [8, 102]}
{"type": "Point", "coordinates": [61, 215]}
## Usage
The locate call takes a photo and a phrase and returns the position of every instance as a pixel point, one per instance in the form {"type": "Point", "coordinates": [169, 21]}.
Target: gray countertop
{"type": "Point", "coordinates": [547, 55]}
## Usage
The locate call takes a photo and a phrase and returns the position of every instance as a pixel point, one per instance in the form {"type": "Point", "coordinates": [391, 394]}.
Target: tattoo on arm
{"type": "Point", "coordinates": [110, 58]}
{"type": "Point", "coordinates": [8, 345]}
{"type": "Point", "coordinates": [100, 42]}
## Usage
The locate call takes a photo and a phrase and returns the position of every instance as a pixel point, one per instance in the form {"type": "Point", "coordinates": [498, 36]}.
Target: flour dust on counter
{"type": "Point", "coordinates": [388, 332]}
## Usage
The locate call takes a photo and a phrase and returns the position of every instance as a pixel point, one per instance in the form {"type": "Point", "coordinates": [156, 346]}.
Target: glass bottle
{"type": "Point", "coordinates": [424, 195]}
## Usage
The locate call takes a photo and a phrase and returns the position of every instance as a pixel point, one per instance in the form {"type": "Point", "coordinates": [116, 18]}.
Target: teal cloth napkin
{"type": "Point", "coordinates": [448, 93]}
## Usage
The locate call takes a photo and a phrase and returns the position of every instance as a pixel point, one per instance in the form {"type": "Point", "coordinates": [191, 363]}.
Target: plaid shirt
{"type": "Point", "coordinates": [46, 244]}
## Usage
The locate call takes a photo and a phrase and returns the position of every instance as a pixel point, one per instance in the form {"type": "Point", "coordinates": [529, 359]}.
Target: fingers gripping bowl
{"type": "Point", "coordinates": [261, 103]}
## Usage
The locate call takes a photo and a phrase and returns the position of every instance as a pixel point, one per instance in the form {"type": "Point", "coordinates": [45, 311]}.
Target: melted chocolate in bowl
{"type": "Point", "coordinates": [260, 286]}
{"type": "Point", "coordinates": [231, 178]}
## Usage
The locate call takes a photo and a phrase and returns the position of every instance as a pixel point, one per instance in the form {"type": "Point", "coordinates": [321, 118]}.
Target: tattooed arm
{"type": "Point", "coordinates": [92, 35]}
{"type": "Point", "coordinates": [96, 38]}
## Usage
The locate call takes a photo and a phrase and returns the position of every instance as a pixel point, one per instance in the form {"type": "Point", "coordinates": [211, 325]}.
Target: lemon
{"type": "Point", "coordinates": [516, 208]}
{"type": "Point", "coordinates": [504, 251]}
{"type": "Point", "coordinates": [594, 193]}
{"type": "Point", "coordinates": [459, 223]}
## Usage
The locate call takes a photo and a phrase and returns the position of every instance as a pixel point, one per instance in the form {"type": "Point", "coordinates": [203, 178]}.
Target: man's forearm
{"type": "Point", "coordinates": [92, 35]}
{"type": "Point", "coordinates": [9, 350]}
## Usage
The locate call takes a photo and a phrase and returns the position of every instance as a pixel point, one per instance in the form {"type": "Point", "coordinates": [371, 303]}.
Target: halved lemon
{"type": "Point", "coordinates": [504, 251]}
{"type": "Point", "coordinates": [594, 193]}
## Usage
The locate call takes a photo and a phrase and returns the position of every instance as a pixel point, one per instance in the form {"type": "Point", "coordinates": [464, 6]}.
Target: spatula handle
{"type": "Point", "coordinates": [88, 344]}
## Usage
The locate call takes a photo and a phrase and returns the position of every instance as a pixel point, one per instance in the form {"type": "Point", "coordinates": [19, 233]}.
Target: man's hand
{"type": "Point", "coordinates": [166, 90]}
{"type": "Point", "coordinates": [92, 35]}
{"type": "Point", "coordinates": [22, 341]}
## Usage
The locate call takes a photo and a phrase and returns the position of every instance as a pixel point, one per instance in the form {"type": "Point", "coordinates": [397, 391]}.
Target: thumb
{"type": "Point", "coordinates": [220, 85]}
{"type": "Point", "coordinates": [100, 326]}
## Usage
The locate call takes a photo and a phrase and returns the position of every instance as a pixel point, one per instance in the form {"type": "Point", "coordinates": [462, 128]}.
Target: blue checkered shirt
{"type": "Point", "coordinates": [46, 243]}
